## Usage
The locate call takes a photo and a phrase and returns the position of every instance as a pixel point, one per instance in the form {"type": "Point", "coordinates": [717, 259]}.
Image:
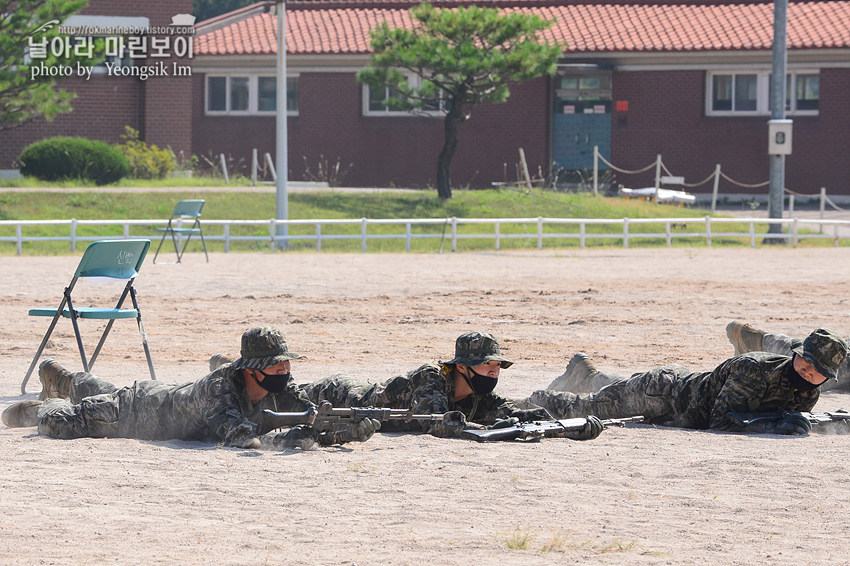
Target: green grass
{"type": "Point", "coordinates": [91, 204]}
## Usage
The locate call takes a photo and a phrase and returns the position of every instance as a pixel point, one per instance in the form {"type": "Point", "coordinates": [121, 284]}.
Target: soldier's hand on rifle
{"type": "Point", "coordinates": [504, 423]}
{"type": "Point", "coordinates": [301, 436]}
{"type": "Point", "coordinates": [591, 430]}
{"type": "Point", "coordinates": [361, 431]}
{"type": "Point", "coordinates": [794, 423]}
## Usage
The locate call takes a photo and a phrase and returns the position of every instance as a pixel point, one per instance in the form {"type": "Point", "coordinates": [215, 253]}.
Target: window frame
{"type": "Point", "coordinates": [414, 81]}
{"type": "Point", "coordinates": [253, 94]}
{"type": "Point", "coordinates": [762, 92]}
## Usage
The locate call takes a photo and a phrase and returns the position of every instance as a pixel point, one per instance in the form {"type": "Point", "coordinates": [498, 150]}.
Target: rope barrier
{"type": "Point", "coordinates": [626, 171]}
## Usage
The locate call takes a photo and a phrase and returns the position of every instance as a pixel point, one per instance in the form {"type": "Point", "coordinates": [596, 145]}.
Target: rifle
{"type": "Point", "coordinates": [820, 420]}
{"type": "Point", "coordinates": [539, 429]}
{"type": "Point", "coordinates": [327, 418]}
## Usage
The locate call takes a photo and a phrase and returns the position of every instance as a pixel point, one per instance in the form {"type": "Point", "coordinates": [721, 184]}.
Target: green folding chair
{"type": "Point", "coordinates": [114, 259]}
{"type": "Point", "coordinates": [185, 210]}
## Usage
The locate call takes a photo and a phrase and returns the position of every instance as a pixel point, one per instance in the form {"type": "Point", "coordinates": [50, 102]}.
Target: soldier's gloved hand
{"type": "Point", "coordinates": [301, 436]}
{"type": "Point", "coordinates": [591, 430]}
{"type": "Point", "coordinates": [794, 423]}
{"type": "Point", "coordinates": [361, 431]}
{"type": "Point", "coordinates": [504, 423]}
{"type": "Point", "coordinates": [243, 435]}
{"type": "Point", "coordinates": [451, 425]}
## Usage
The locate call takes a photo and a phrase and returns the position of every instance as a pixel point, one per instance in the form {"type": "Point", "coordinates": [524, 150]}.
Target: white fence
{"type": "Point", "coordinates": [535, 230]}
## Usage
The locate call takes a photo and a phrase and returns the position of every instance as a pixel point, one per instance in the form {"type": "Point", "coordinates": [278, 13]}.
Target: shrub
{"type": "Point", "coordinates": [60, 158]}
{"type": "Point", "coordinates": [146, 161]}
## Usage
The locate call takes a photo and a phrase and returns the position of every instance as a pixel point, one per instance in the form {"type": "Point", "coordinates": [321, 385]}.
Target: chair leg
{"type": "Point", "coordinates": [183, 251]}
{"type": "Point", "coordinates": [201, 232]}
{"type": "Point", "coordinates": [176, 246]}
{"type": "Point", "coordinates": [159, 246]}
{"type": "Point", "coordinates": [41, 347]}
{"type": "Point", "coordinates": [79, 336]}
{"type": "Point", "coordinates": [143, 333]}
{"type": "Point", "coordinates": [127, 289]}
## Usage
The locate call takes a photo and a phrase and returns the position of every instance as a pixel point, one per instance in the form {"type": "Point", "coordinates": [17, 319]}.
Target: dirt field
{"type": "Point", "coordinates": [640, 495]}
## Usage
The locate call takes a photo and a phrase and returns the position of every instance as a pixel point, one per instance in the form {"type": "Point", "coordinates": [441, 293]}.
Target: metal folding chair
{"type": "Point", "coordinates": [114, 259]}
{"type": "Point", "coordinates": [185, 210]}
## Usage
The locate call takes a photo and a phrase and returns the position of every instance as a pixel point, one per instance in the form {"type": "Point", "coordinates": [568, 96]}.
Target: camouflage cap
{"type": "Point", "coordinates": [474, 348]}
{"type": "Point", "coordinates": [262, 347]}
{"type": "Point", "coordinates": [825, 350]}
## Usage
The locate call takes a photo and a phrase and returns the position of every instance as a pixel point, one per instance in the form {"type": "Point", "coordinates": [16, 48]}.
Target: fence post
{"type": "Point", "coordinates": [657, 178]}
{"type": "Point", "coordinates": [582, 234]}
{"type": "Point", "coordinates": [822, 207]}
{"type": "Point", "coordinates": [498, 234]}
{"type": "Point", "coordinates": [539, 232]}
{"type": "Point", "coordinates": [227, 237]}
{"type": "Point", "coordinates": [595, 170]}
{"type": "Point", "coordinates": [73, 235]}
{"type": "Point", "coordinates": [272, 230]}
{"type": "Point", "coordinates": [224, 169]}
{"type": "Point", "coordinates": [20, 234]}
{"type": "Point", "coordinates": [752, 234]}
{"type": "Point", "coordinates": [409, 233]}
{"type": "Point", "coordinates": [318, 236]}
{"type": "Point", "coordinates": [454, 233]}
{"type": "Point", "coordinates": [708, 230]}
{"type": "Point", "coordinates": [254, 167]}
{"type": "Point", "coordinates": [794, 231]}
{"type": "Point", "coordinates": [714, 191]}
{"type": "Point", "coordinates": [625, 232]}
{"type": "Point", "coordinates": [668, 234]}
{"type": "Point", "coordinates": [363, 222]}
{"type": "Point", "coordinates": [271, 166]}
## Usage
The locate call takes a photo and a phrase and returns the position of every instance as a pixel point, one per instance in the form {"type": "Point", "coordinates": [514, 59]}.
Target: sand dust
{"type": "Point", "coordinates": [640, 495]}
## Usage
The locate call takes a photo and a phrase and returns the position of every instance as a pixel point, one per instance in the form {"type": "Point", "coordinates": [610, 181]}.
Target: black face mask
{"type": "Point", "coordinates": [481, 384]}
{"type": "Point", "coordinates": [798, 382]}
{"type": "Point", "coordinates": [274, 383]}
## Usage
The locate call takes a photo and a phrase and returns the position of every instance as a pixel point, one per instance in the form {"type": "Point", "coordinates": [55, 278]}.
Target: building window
{"type": "Point", "coordinates": [248, 95]}
{"type": "Point", "coordinates": [734, 94]}
{"type": "Point", "coordinates": [374, 102]}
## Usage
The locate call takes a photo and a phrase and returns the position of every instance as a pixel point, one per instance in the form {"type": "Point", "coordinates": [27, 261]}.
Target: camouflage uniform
{"type": "Point", "coordinates": [674, 396]}
{"type": "Point", "coordinates": [782, 344]}
{"type": "Point", "coordinates": [214, 408]}
{"type": "Point", "coordinates": [757, 382]}
{"type": "Point", "coordinates": [430, 389]}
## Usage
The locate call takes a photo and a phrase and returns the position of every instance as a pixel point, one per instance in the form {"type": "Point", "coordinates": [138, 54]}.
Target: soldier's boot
{"type": "Point", "coordinates": [744, 338]}
{"type": "Point", "coordinates": [55, 380]}
{"type": "Point", "coordinates": [218, 360]}
{"type": "Point", "coordinates": [578, 377]}
{"type": "Point", "coordinates": [21, 414]}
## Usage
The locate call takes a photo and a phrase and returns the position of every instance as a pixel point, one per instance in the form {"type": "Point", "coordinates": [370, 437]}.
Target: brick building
{"type": "Point", "coordinates": [687, 81]}
{"type": "Point", "coordinates": [158, 107]}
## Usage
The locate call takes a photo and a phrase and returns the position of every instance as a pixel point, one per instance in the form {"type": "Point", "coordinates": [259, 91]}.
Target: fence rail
{"type": "Point", "coordinates": [448, 230]}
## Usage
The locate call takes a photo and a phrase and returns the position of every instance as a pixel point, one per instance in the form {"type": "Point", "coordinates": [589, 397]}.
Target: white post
{"type": "Point", "coordinates": [271, 166]}
{"type": "Point", "coordinates": [714, 191]}
{"type": "Point", "coordinates": [254, 167]}
{"type": "Point", "coordinates": [657, 178]}
{"type": "Point", "coordinates": [595, 170]}
{"type": "Point", "coordinates": [625, 232]}
{"type": "Point", "coordinates": [822, 206]}
{"type": "Point", "coordinates": [281, 148]}
{"type": "Point", "coordinates": [224, 169]}
{"type": "Point", "coordinates": [524, 164]}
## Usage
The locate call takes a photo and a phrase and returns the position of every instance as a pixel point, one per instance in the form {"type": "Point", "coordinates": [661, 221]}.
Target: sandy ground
{"type": "Point", "coordinates": [639, 495]}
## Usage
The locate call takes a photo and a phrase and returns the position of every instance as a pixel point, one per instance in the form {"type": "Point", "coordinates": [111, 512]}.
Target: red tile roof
{"type": "Point", "coordinates": [587, 27]}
